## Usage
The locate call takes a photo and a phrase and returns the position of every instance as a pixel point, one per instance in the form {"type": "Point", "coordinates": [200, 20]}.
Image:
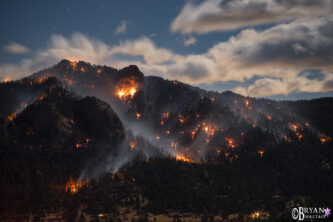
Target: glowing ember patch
{"type": "Point", "coordinates": [181, 157]}
{"type": "Point", "coordinates": [126, 88]}
{"type": "Point", "coordinates": [78, 145]}
{"type": "Point", "coordinates": [41, 97]}
{"type": "Point", "coordinates": [138, 116]}
{"type": "Point", "coordinates": [30, 132]}
{"type": "Point", "coordinates": [324, 138]}
{"type": "Point", "coordinates": [287, 139]}
{"type": "Point", "coordinates": [261, 153]}
{"type": "Point", "coordinates": [68, 81]}
{"type": "Point", "coordinates": [165, 115]}
{"type": "Point", "coordinates": [132, 91]}
{"type": "Point", "coordinates": [11, 116]}
{"type": "Point", "coordinates": [230, 142]}
{"type": "Point", "coordinates": [174, 145]}
{"type": "Point", "coordinates": [181, 119]}
{"type": "Point", "coordinates": [73, 186]}
{"type": "Point", "coordinates": [73, 64]}
{"type": "Point", "coordinates": [6, 79]}
{"type": "Point", "coordinates": [299, 136]}
{"type": "Point", "coordinates": [121, 93]}
{"type": "Point", "coordinates": [195, 131]}
{"type": "Point", "coordinates": [268, 117]}
{"type": "Point", "coordinates": [157, 137]}
{"type": "Point", "coordinates": [255, 215]}
{"type": "Point", "coordinates": [293, 127]}
{"type": "Point", "coordinates": [132, 145]}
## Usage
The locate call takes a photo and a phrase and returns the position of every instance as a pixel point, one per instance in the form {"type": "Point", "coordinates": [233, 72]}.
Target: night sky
{"type": "Point", "coordinates": [263, 48]}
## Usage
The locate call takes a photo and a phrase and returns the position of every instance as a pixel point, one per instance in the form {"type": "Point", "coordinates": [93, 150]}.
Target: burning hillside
{"type": "Point", "coordinates": [54, 129]}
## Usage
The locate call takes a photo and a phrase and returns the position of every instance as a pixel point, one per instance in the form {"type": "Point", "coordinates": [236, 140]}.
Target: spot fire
{"type": "Point", "coordinates": [126, 88]}
{"type": "Point", "coordinates": [73, 186]}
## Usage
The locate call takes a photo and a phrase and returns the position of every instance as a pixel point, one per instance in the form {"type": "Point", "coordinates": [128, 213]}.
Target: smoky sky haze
{"type": "Point", "coordinates": [279, 49]}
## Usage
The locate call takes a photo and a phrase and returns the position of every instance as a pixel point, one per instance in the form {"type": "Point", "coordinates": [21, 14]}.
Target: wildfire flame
{"type": "Point", "coordinates": [73, 186]}
{"type": "Point", "coordinates": [126, 89]}
{"type": "Point", "coordinates": [324, 138]}
{"type": "Point", "coordinates": [181, 157]}
{"type": "Point", "coordinates": [6, 79]}
{"type": "Point", "coordinates": [230, 142]}
{"type": "Point", "coordinates": [132, 145]}
{"type": "Point", "coordinates": [11, 116]}
{"type": "Point", "coordinates": [261, 153]}
{"type": "Point", "coordinates": [165, 115]}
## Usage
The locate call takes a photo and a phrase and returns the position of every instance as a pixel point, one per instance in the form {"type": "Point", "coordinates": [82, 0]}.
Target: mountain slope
{"type": "Point", "coordinates": [80, 136]}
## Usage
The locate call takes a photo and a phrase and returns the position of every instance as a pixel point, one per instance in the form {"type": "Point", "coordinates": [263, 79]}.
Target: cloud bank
{"type": "Point", "coordinates": [277, 56]}
{"type": "Point", "coordinates": [15, 48]}
{"type": "Point", "coordinates": [223, 15]}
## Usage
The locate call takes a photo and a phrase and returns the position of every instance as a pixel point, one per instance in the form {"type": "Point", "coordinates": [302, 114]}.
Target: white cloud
{"type": "Point", "coordinates": [122, 27]}
{"type": "Point", "coordinates": [190, 41]}
{"type": "Point", "coordinates": [276, 56]}
{"type": "Point", "coordinates": [221, 15]}
{"type": "Point", "coordinates": [15, 48]}
{"type": "Point", "coordinates": [147, 49]}
{"type": "Point", "coordinates": [270, 86]}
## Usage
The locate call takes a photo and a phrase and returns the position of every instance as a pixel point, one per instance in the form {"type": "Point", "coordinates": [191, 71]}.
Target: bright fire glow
{"type": "Point", "coordinates": [261, 153]}
{"type": "Point", "coordinates": [132, 145]}
{"type": "Point", "coordinates": [230, 142]}
{"type": "Point", "coordinates": [73, 186]}
{"type": "Point", "coordinates": [324, 138]}
{"type": "Point", "coordinates": [165, 115]}
{"type": "Point", "coordinates": [294, 127]}
{"type": "Point", "coordinates": [11, 116]}
{"type": "Point", "coordinates": [126, 89]}
{"type": "Point", "coordinates": [6, 79]}
{"type": "Point", "coordinates": [181, 157]}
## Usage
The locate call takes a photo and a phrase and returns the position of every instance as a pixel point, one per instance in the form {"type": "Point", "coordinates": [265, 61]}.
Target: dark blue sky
{"type": "Point", "coordinates": [32, 23]}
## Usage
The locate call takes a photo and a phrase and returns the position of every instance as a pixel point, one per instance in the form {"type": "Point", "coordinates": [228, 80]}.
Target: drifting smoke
{"type": "Point", "coordinates": [169, 118]}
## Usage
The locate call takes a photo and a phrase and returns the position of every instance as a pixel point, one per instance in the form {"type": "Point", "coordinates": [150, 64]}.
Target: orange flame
{"type": "Point", "coordinates": [126, 89]}
{"type": "Point", "coordinates": [230, 142]}
{"type": "Point", "coordinates": [132, 145]}
{"type": "Point", "coordinates": [6, 79]}
{"type": "Point", "coordinates": [165, 115]}
{"type": "Point", "coordinates": [324, 138]}
{"type": "Point", "coordinates": [73, 186]}
{"type": "Point", "coordinates": [181, 157]}
{"type": "Point", "coordinates": [11, 116]}
{"type": "Point", "coordinates": [261, 153]}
